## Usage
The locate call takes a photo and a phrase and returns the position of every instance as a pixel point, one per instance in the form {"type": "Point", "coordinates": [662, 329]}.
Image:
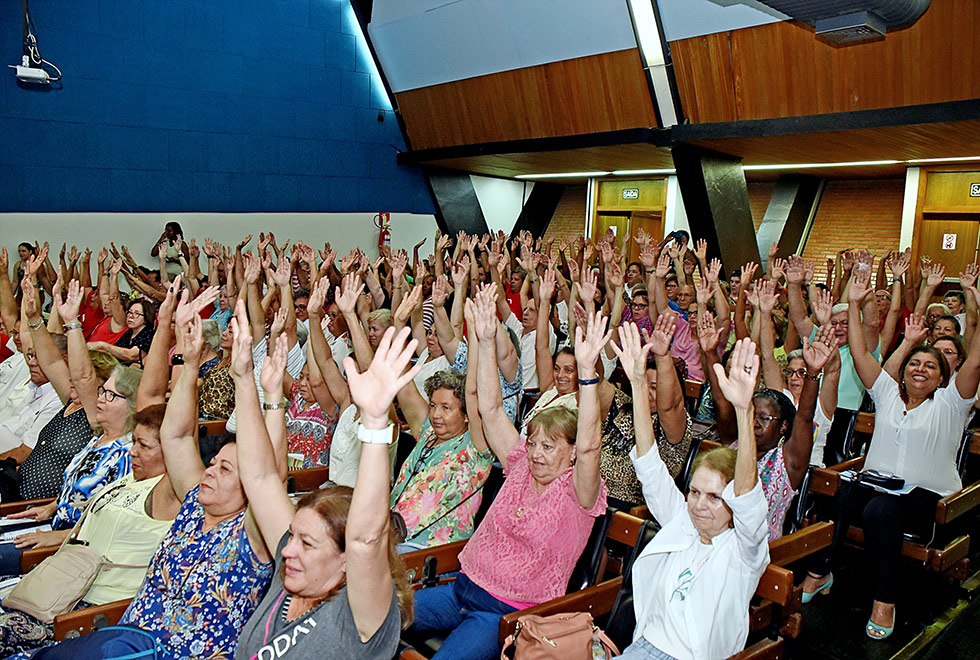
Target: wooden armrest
{"type": "Point", "coordinates": [793, 547]}
{"type": "Point", "coordinates": [31, 557]}
{"type": "Point", "coordinates": [776, 584]}
{"type": "Point", "coordinates": [16, 507]}
{"type": "Point", "coordinates": [955, 505]}
{"type": "Point", "coordinates": [692, 388]}
{"type": "Point", "coordinates": [624, 528]}
{"type": "Point", "coordinates": [826, 480]}
{"type": "Point", "coordinates": [865, 423]}
{"type": "Point", "coordinates": [308, 479]}
{"type": "Point", "coordinates": [596, 600]}
{"type": "Point", "coordinates": [411, 654]}
{"type": "Point", "coordinates": [212, 427]}
{"type": "Point", "coordinates": [83, 621]}
{"type": "Point", "coordinates": [446, 556]}
{"type": "Point", "coordinates": [767, 649]}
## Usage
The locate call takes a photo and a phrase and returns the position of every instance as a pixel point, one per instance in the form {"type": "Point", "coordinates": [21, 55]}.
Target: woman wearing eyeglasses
{"type": "Point", "coordinates": [135, 342]}
{"type": "Point", "coordinates": [109, 408]}
{"type": "Point", "coordinates": [791, 379]}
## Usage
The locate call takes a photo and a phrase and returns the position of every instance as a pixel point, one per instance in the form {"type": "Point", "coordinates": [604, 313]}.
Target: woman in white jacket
{"type": "Point", "coordinates": [693, 582]}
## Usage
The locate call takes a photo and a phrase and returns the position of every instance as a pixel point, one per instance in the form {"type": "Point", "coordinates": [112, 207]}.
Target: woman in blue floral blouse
{"type": "Point", "coordinates": [212, 568]}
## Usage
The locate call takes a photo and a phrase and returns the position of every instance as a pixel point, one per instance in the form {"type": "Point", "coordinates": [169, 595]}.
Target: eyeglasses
{"type": "Point", "coordinates": [30, 355]}
{"type": "Point", "coordinates": [764, 419]}
{"type": "Point", "coordinates": [842, 323]}
{"type": "Point", "coordinates": [800, 373]}
{"type": "Point", "coordinates": [109, 395]}
{"type": "Point", "coordinates": [134, 312]}
{"type": "Point", "coordinates": [639, 305]}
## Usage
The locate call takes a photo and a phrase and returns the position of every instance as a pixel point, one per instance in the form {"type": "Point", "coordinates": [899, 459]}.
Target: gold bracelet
{"type": "Point", "coordinates": [282, 405]}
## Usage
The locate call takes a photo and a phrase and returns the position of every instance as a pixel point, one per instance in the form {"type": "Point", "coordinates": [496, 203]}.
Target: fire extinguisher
{"type": "Point", "coordinates": [383, 222]}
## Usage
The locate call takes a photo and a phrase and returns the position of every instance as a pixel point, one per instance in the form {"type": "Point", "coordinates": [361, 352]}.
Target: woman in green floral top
{"type": "Point", "coordinates": [439, 486]}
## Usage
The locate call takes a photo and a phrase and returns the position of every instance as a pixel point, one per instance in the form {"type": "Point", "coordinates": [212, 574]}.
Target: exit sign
{"type": "Point", "coordinates": [634, 193]}
{"type": "Point", "coordinates": [975, 190]}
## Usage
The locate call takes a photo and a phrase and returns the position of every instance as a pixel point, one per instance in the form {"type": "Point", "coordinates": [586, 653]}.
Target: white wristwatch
{"type": "Point", "coordinates": [376, 436]}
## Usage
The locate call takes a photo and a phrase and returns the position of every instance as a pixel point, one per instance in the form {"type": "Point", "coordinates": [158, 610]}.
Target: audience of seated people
{"type": "Point", "coordinates": [309, 360]}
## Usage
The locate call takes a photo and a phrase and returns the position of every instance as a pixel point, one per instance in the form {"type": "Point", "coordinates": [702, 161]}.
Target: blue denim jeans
{"type": "Point", "coordinates": [112, 643]}
{"type": "Point", "coordinates": [641, 649]}
{"type": "Point", "coordinates": [472, 614]}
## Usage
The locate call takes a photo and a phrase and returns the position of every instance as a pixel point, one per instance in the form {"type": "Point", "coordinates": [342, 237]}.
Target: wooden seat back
{"type": "Point", "coordinates": [31, 557]}
{"type": "Point", "coordinates": [307, 480]}
{"type": "Point", "coordinates": [16, 507]}
{"type": "Point", "coordinates": [211, 427]}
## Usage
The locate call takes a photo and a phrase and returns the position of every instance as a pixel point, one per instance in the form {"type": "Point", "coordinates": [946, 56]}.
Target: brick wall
{"type": "Point", "coordinates": [861, 213]}
{"type": "Point", "coordinates": [760, 192]}
{"type": "Point", "coordinates": [568, 221]}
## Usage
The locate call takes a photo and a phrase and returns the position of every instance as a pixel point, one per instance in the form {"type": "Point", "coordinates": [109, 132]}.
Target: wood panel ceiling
{"type": "Point", "coordinates": [782, 69]}
{"type": "Point", "coordinates": [593, 94]}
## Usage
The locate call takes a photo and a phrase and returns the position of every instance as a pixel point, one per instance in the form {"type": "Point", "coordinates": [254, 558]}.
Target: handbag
{"type": "Point", "coordinates": [57, 584]}
{"type": "Point", "coordinates": [571, 636]}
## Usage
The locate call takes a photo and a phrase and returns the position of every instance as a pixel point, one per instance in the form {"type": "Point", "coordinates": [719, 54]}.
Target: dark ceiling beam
{"type": "Point", "coordinates": [654, 136]}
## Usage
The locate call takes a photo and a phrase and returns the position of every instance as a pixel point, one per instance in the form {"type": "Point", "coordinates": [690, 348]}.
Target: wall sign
{"type": "Point", "coordinates": [949, 241]}
{"type": "Point", "coordinates": [975, 190]}
{"type": "Point", "coordinates": [634, 193]}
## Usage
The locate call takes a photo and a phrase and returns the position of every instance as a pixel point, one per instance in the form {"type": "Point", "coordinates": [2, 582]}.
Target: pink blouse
{"type": "Point", "coordinates": [686, 347]}
{"type": "Point", "coordinates": [525, 549]}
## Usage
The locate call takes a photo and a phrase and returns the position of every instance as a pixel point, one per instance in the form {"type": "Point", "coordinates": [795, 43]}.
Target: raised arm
{"type": "Point", "coordinates": [178, 433]}
{"type": "Point", "coordinates": [346, 300]}
{"type": "Point", "coordinates": [588, 442]}
{"type": "Point", "coordinates": [670, 394]}
{"type": "Point", "coordinates": [116, 309]}
{"type": "Point", "coordinates": [79, 364]}
{"type": "Point", "coordinates": [8, 305]}
{"type": "Point", "coordinates": [543, 362]}
{"type": "Point", "coordinates": [156, 366]}
{"type": "Point", "coordinates": [866, 366]}
{"type": "Point", "coordinates": [48, 356]}
{"type": "Point", "coordinates": [260, 469]}
{"type": "Point", "coordinates": [738, 387]}
{"type": "Point", "coordinates": [369, 584]}
{"type": "Point", "coordinates": [795, 271]}
{"type": "Point", "coordinates": [490, 401]}
{"type": "Point", "coordinates": [797, 450]}
{"type": "Point", "coordinates": [322, 354]}
{"type": "Point", "coordinates": [968, 376]}
{"type": "Point", "coordinates": [771, 372]}
{"type": "Point", "coordinates": [708, 338]}
{"type": "Point", "coordinates": [934, 275]}
{"type": "Point", "coordinates": [633, 357]}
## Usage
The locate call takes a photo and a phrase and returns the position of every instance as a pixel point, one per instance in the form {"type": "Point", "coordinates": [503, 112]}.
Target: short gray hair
{"type": "Point", "coordinates": [127, 382]}
{"type": "Point", "coordinates": [450, 380]}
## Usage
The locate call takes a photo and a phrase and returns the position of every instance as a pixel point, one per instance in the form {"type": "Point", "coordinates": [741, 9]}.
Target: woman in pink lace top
{"type": "Point", "coordinates": [524, 551]}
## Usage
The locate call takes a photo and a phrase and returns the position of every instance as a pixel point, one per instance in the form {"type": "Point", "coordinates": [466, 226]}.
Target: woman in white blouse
{"type": "Point", "coordinates": [693, 582]}
{"type": "Point", "coordinates": [919, 424]}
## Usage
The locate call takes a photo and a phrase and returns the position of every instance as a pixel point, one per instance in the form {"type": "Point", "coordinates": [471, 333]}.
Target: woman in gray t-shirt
{"type": "Point", "coordinates": [340, 589]}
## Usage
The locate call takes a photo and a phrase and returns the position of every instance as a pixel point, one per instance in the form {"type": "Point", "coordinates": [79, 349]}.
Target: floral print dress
{"type": "Point", "coordinates": [439, 486]}
{"type": "Point", "coordinates": [202, 585]}
{"type": "Point", "coordinates": [309, 432]}
{"type": "Point", "coordinates": [89, 471]}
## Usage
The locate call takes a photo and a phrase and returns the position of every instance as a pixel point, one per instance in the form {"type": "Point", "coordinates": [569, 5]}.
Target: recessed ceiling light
{"type": "Point", "coordinates": [638, 172]}
{"type": "Point", "coordinates": [809, 166]}
{"type": "Point", "coordinates": [560, 175]}
{"type": "Point", "coordinates": [919, 161]}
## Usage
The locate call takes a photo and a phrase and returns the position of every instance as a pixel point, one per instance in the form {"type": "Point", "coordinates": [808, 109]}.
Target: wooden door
{"type": "Point", "coordinates": [950, 239]}
{"type": "Point", "coordinates": [651, 223]}
{"type": "Point", "coordinates": [619, 222]}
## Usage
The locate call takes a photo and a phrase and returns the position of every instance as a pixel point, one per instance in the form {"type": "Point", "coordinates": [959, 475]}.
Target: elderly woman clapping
{"type": "Point", "coordinates": [525, 549]}
{"type": "Point", "coordinates": [693, 582]}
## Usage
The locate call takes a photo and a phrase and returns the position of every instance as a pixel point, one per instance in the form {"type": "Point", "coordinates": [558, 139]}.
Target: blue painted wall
{"type": "Point", "coordinates": [200, 105]}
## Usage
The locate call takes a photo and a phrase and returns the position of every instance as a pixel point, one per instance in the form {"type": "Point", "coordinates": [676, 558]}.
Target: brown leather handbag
{"type": "Point", "coordinates": [570, 636]}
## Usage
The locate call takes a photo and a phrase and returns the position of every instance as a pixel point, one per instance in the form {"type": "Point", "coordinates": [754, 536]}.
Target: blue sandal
{"type": "Point", "coordinates": [874, 631]}
{"type": "Point", "coordinates": [825, 589]}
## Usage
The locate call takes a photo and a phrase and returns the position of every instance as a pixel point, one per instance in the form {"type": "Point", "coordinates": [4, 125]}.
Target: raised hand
{"type": "Point", "coordinates": [68, 310]}
{"type": "Point", "coordinates": [916, 329]}
{"type": "Point", "coordinates": [241, 346]}
{"type": "Point", "coordinates": [777, 268]}
{"type": "Point", "coordinates": [663, 334]}
{"type": "Point", "coordinates": [547, 287]}
{"type": "Point", "coordinates": [274, 365]}
{"type": "Point", "coordinates": [375, 389]}
{"type": "Point", "coordinates": [702, 289]}
{"type": "Point", "coordinates": [170, 300]}
{"type": "Point", "coordinates": [714, 271]}
{"type": "Point", "coordinates": [752, 294]}
{"type": "Point", "coordinates": [191, 330]}
{"type": "Point", "coordinates": [748, 272]}
{"type": "Point", "coordinates": [795, 271]}
{"type": "Point", "coordinates": [861, 285]}
{"type": "Point", "coordinates": [252, 268]}
{"type": "Point", "coordinates": [4, 260]}
{"type": "Point", "coordinates": [280, 276]}
{"type": "Point", "coordinates": [408, 305]}
{"type": "Point", "coordinates": [104, 254]}
{"type": "Point", "coordinates": [346, 298]}
{"type": "Point", "coordinates": [614, 275]}
{"type": "Point", "coordinates": [767, 296]}
{"type": "Point", "coordinates": [818, 352]}
{"type": "Point", "coordinates": [587, 288]}
{"type": "Point", "coordinates": [460, 272]}
{"type": "Point", "coordinates": [969, 276]}
{"type": "Point", "coordinates": [663, 266]}
{"type": "Point", "coordinates": [440, 291]}
{"type": "Point", "coordinates": [773, 250]}
{"type": "Point", "coordinates": [318, 297]}
{"type": "Point", "coordinates": [708, 334]}
{"type": "Point", "coordinates": [823, 305]}
{"type": "Point", "coordinates": [246, 241]}
{"type": "Point", "coordinates": [738, 386]}
{"type": "Point", "coordinates": [278, 322]}
{"type": "Point", "coordinates": [701, 250]}
{"type": "Point", "coordinates": [633, 354]}
{"type": "Point", "coordinates": [484, 313]}
{"type": "Point", "coordinates": [30, 299]}
{"type": "Point", "coordinates": [588, 344]}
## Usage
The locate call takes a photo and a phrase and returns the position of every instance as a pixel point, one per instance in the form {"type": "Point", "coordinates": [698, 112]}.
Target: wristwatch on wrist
{"type": "Point", "coordinates": [282, 405]}
{"type": "Point", "coordinates": [376, 436]}
{"type": "Point", "coordinates": [73, 325]}
{"type": "Point", "coordinates": [177, 359]}
{"type": "Point", "coordinates": [35, 326]}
